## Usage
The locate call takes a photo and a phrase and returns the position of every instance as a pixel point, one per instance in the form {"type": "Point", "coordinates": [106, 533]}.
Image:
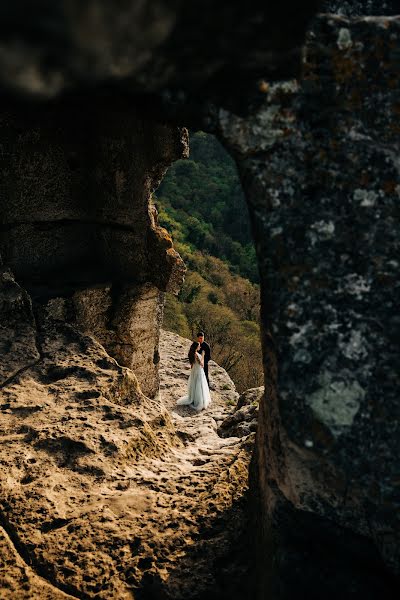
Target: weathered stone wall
{"type": "Point", "coordinates": [320, 167]}
{"type": "Point", "coordinates": [75, 187]}
{"type": "Point", "coordinates": [127, 324]}
{"type": "Point", "coordinates": [76, 219]}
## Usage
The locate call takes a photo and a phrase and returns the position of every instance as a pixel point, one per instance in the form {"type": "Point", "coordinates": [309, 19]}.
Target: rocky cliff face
{"type": "Point", "coordinates": [77, 220]}
{"type": "Point", "coordinates": [319, 163]}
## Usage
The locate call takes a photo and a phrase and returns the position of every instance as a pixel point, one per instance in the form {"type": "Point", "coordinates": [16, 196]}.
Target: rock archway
{"type": "Point", "coordinates": [318, 159]}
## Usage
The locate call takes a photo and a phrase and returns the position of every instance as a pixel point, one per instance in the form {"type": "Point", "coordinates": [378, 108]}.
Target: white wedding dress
{"type": "Point", "coordinates": [198, 392]}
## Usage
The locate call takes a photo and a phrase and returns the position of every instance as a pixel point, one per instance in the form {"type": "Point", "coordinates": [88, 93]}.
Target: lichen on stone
{"type": "Point", "coordinates": [335, 402]}
{"type": "Point", "coordinates": [344, 40]}
{"type": "Point", "coordinates": [365, 197]}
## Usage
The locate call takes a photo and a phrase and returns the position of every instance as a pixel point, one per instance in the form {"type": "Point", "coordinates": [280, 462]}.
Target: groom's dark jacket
{"type": "Point", "coordinates": [204, 347]}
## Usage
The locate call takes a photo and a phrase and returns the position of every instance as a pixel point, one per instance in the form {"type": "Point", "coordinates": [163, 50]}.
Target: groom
{"type": "Point", "coordinates": [207, 353]}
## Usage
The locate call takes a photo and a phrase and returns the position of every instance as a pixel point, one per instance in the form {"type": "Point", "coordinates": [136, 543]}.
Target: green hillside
{"type": "Point", "coordinates": [201, 204]}
{"type": "Point", "coordinates": [204, 196]}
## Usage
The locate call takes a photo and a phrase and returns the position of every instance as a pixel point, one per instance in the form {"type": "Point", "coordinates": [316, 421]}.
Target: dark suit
{"type": "Point", "coordinates": [204, 347]}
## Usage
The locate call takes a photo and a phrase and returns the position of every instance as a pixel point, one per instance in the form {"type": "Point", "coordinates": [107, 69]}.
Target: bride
{"type": "Point", "coordinates": [198, 393]}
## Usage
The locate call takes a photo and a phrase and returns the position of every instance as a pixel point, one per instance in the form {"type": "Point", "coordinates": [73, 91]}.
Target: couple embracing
{"type": "Point", "coordinates": [198, 396]}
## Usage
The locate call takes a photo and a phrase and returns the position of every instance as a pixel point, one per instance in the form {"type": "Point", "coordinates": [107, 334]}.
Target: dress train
{"type": "Point", "coordinates": [198, 396]}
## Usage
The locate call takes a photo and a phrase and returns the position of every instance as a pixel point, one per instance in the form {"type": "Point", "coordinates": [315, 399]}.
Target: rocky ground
{"type": "Point", "coordinates": [105, 494]}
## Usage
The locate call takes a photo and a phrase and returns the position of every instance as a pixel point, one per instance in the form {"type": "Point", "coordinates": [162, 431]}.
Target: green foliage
{"type": "Point", "coordinates": [174, 317]}
{"type": "Point", "coordinates": [201, 204]}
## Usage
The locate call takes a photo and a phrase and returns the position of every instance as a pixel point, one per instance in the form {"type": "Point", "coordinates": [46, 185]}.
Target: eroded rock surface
{"type": "Point", "coordinates": [17, 328]}
{"type": "Point", "coordinates": [77, 220]}
{"type": "Point", "coordinates": [104, 492]}
{"type": "Point", "coordinates": [243, 421]}
{"type": "Point", "coordinates": [76, 184]}
{"type": "Point", "coordinates": [319, 164]}
{"type": "Point", "coordinates": [19, 580]}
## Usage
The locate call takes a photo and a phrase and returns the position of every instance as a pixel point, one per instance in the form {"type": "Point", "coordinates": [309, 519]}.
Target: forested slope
{"type": "Point", "coordinates": [201, 203]}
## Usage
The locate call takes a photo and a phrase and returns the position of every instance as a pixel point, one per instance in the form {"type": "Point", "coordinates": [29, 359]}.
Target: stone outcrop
{"type": "Point", "coordinates": [77, 220]}
{"type": "Point", "coordinates": [19, 580]}
{"type": "Point", "coordinates": [104, 492]}
{"type": "Point", "coordinates": [243, 421]}
{"type": "Point", "coordinates": [127, 324]}
{"type": "Point", "coordinates": [76, 183]}
{"type": "Point", "coordinates": [319, 165]}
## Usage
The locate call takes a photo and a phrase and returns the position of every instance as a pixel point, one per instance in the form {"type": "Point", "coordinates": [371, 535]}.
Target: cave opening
{"type": "Point", "coordinates": [79, 359]}
{"type": "Point", "coordinates": [201, 203]}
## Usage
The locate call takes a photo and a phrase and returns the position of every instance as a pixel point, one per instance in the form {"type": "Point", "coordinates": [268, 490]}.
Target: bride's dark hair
{"type": "Point", "coordinates": [192, 352]}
